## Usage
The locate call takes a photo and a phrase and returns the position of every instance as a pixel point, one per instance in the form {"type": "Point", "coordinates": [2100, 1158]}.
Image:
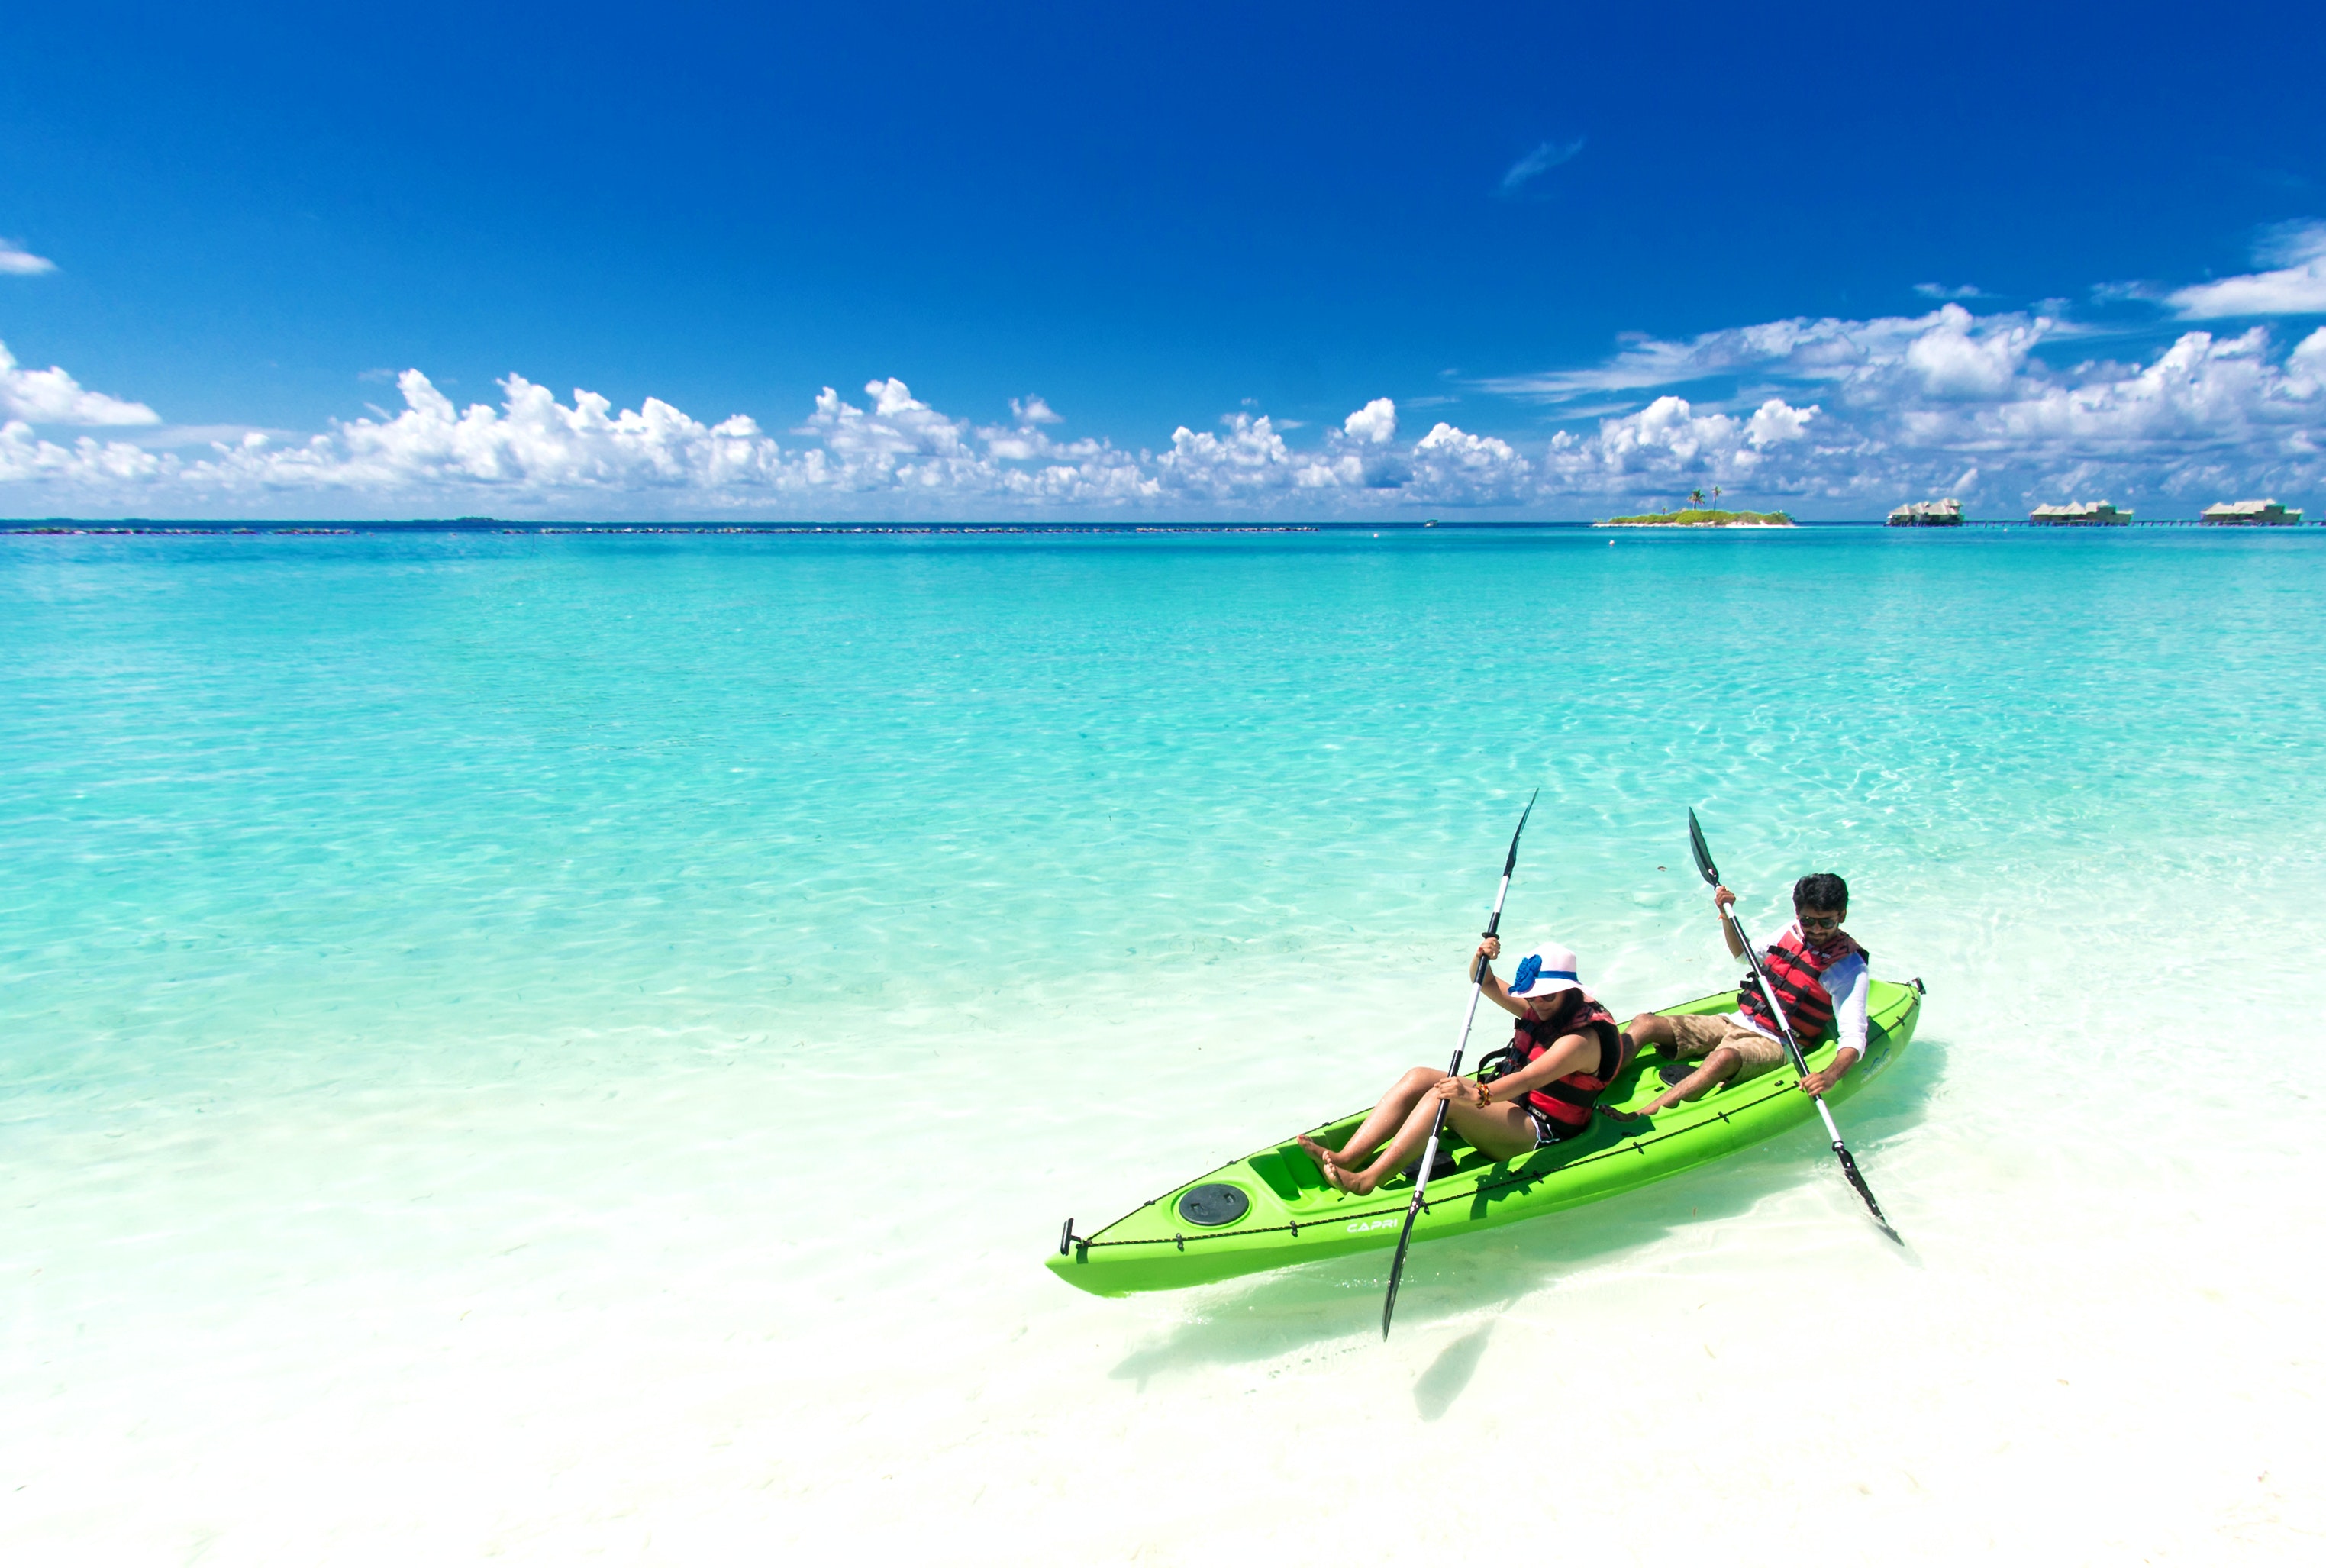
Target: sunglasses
{"type": "Point", "coordinates": [1820, 922]}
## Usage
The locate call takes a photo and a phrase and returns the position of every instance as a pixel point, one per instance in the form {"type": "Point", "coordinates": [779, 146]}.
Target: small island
{"type": "Point", "coordinates": [1701, 517]}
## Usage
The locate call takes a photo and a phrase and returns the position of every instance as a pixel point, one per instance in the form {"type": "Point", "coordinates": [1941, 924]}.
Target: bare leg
{"type": "Point", "coordinates": [1498, 1131]}
{"type": "Point", "coordinates": [1395, 1157]}
{"type": "Point", "coordinates": [1387, 1117]}
{"type": "Point", "coordinates": [1718, 1069]}
{"type": "Point", "coordinates": [1655, 1029]}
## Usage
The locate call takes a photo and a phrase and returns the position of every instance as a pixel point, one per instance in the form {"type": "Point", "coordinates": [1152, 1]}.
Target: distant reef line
{"type": "Point", "coordinates": [329, 525]}
{"type": "Point", "coordinates": [1686, 519]}
{"type": "Point", "coordinates": [192, 526]}
{"type": "Point", "coordinates": [499, 526]}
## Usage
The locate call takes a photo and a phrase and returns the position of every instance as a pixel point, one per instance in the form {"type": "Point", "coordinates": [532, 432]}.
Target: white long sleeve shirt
{"type": "Point", "coordinates": [1845, 980]}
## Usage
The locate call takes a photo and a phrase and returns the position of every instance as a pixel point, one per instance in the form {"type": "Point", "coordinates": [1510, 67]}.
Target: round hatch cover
{"type": "Point", "coordinates": [1213, 1203]}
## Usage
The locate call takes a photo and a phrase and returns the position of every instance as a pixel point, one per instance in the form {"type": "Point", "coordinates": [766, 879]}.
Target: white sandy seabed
{"type": "Point", "coordinates": [573, 1315]}
{"type": "Point", "coordinates": [473, 1099]}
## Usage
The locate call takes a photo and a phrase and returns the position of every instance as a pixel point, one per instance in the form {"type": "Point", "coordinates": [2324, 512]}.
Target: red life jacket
{"type": "Point", "coordinates": [1796, 974]}
{"type": "Point", "coordinates": [1567, 1101]}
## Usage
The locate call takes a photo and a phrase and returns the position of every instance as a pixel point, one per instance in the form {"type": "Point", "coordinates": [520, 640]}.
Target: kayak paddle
{"type": "Point", "coordinates": [1429, 1154]}
{"type": "Point", "coordinates": [1711, 874]}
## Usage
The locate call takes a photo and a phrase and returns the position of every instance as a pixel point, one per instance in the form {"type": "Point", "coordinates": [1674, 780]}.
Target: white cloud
{"type": "Point", "coordinates": [531, 443]}
{"type": "Point", "coordinates": [2297, 287]}
{"type": "Point", "coordinates": [1965, 407]}
{"type": "Point", "coordinates": [1949, 344]}
{"type": "Point", "coordinates": [16, 260]}
{"type": "Point", "coordinates": [1669, 440]}
{"type": "Point", "coordinates": [1956, 357]}
{"type": "Point", "coordinates": [585, 458]}
{"type": "Point", "coordinates": [1826, 417]}
{"type": "Point", "coordinates": [890, 454]}
{"type": "Point", "coordinates": [1775, 422]}
{"type": "Point", "coordinates": [51, 397]}
{"type": "Point", "coordinates": [85, 467]}
{"type": "Point", "coordinates": [1251, 459]}
{"type": "Point", "coordinates": [1452, 467]}
{"type": "Point", "coordinates": [1375, 424]}
{"type": "Point", "coordinates": [1548, 156]}
{"type": "Point", "coordinates": [2203, 397]}
{"type": "Point", "coordinates": [2308, 359]}
{"type": "Point", "coordinates": [1939, 291]}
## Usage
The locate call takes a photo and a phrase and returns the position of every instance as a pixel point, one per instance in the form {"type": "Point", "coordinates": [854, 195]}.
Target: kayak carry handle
{"type": "Point", "coordinates": [1921, 989]}
{"type": "Point", "coordinates": [1067, 1236]}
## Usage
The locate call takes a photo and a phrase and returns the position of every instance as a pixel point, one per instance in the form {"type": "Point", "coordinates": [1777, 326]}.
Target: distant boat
{"type": "Point", "coordinates": [1945, 514]}
{"type": "Point", "coordinates": [2081, 514]}
{"type": "Point", "coordinates": [2267, 514]}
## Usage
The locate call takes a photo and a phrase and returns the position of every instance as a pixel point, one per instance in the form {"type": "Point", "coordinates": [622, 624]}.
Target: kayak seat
{"type": "Point", "coordinates": [1283, 1170]}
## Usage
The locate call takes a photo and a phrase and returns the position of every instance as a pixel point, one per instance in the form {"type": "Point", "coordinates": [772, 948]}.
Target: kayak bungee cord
{"type": "Point", "coordinates": [1437, 1123]}
{"type": "Point", "coordinates": [1711, 874]}
{"type": "Point", "coordinates": [1525, 1175]}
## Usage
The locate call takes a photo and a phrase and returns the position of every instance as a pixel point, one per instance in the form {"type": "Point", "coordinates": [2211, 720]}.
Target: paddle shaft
{"type": "Point", "coordinates": [1461, 1048]}
{"type": "Point", "coordinates": [1453, 1069]}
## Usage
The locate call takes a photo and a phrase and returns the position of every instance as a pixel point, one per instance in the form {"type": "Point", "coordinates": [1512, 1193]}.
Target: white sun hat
{"type": "Point", "coordinates": [1545, 969]}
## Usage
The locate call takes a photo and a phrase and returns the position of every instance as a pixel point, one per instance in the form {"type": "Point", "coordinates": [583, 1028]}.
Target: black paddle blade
{"type": "Point", "coordinates": [1397, 1269]}
{"type": "Point", "coordinates": [1849, 1169]}
{"type": "Point", "coordinates": [1510, 861]}
{"type": "Point", "coordinates": [1704, 867]}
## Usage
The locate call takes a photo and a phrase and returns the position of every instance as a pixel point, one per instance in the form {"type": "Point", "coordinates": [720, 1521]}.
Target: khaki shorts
{"type": "Point", "coordinates": [1701, 1034]}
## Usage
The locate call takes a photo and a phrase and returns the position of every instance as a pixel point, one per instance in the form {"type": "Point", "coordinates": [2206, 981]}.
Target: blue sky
{"type": "Point", "coordinates": [1193, 260]}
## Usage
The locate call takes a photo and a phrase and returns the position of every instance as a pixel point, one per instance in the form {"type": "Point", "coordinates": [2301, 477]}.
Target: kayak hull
{"type": "Point", "coordinates": [1292, 1216]}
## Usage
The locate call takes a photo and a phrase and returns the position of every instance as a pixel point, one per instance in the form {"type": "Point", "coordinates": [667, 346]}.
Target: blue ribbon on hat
{"type": "Point", "coordinates": [1531, 969]}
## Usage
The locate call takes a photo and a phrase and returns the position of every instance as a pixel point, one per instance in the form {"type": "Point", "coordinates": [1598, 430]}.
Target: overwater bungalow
{"type": "Point", "coordinates": [1945, 514]}
{"type": "Point", "coordinates": [2269, 514]}
{"type": "Point", "coordinates": [2081, 514]}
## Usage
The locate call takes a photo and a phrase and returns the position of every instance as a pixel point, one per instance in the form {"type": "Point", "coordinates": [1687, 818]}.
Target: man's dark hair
{"type": "Point", "coordinates": [1821, 891]}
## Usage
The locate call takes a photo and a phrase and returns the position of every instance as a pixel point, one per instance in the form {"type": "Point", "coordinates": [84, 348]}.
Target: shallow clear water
{"type": "Point", "coordinates": [536, 1046]}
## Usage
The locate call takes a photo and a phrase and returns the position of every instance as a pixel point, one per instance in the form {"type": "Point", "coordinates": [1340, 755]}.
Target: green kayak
{"type": "Point", "coordinates": [1272, 1209]}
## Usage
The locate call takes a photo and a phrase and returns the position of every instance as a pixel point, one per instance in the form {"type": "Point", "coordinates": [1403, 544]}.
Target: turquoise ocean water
{"type": "Point", "coordinates": [543, 1046]}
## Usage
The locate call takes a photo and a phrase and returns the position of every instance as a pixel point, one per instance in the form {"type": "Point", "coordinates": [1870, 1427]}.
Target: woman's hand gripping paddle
{"type": "Point", "coordinates": [1429, 1151]}
{"type": "Point", "coordinates": [1711, 874]}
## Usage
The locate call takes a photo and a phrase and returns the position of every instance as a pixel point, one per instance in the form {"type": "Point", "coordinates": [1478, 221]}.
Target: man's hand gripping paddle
{"type": "Point", "coordinates": [1711, 875]}
{"type": "Point", "coordinates": [1429, 1153]}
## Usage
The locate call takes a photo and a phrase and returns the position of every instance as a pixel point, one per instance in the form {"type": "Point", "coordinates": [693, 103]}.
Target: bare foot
{"type": "Point", "coordinates": [1328, 1161]}
{"type": "Point", "coordinates": [1355, 1183]}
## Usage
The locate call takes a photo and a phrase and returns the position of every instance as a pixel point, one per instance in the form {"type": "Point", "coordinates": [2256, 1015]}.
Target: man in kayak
{"type": "Point", "coordinates": [1819, 973]}
{"type": "Point", "coordinates": [1565, 1050]}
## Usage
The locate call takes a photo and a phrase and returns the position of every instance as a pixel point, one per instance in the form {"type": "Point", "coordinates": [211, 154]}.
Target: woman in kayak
{"type": "Point", "coordinates": [1565, 1050]}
